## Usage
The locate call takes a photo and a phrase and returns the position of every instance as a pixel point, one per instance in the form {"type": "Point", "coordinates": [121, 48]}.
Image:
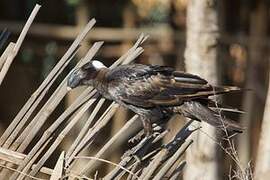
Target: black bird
{"type": "Point", "coordinates": [154, 92]}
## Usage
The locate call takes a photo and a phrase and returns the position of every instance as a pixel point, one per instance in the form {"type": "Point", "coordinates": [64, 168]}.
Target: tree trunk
{"type": "Point", "coordinates": [201, 59]}
{"type": "Point", "coordinates": [262, 168]}
{"type": "Point", "coordinates": [251, 102]}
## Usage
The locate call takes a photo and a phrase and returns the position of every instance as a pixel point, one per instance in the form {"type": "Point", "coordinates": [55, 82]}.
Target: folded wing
{"type": "Point", "coordinates": [149, 86]}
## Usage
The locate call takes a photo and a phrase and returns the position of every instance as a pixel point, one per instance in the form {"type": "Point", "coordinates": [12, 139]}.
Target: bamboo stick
{"type": "Point", "coordinates": [18, 44]}
{"type": "Point", "coordinates": [16, 158]}
{"type": "Point", "coordinates": [49, 132]}
{"type": "Point", "coordinates": [19, 127]}
{"type": "Point", "coordinates": [92, 132]}
{"type": "Point", "coordinates": [5, 172]}
{"type": "Point", "coordinates": [169, 149]}
{"type": "Point", "coordinates": [48, 79]}
{"type": "Point", "coordinates": [74, 106]}
{"type": "Point", "coordinates": [162, 172]}
{"type": "Point", "coordinates": [84, 130]}
{"type": "Point", "coordinates": [31, 163]}
{"type": "Point", "coordinates": [58, 140]}
{"type": "Point", "coordinates": [51, 104]}
{"type": "Point", "coordinates": [6, 53]}
{"type": "Point", "coordinates": [135, 154]}
{"type": "Point", "coordinates": [43, 138]}
{"type": "Point", "coordinates": [61, 89]}
{"type": "Point", "coordinates": [59, 167]}
{"type": "Point", "coordinates": [178, 170]}
{"type": "Point", "coordinates": [67, 129]}
{"type": "Point", "coordinates": [116, 138]}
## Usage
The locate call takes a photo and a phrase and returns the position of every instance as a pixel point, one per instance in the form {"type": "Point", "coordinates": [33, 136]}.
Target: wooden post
{"type": "Point", "coordinates": [258, 30]}
{"type": "Point", "coordinates": [201, 59]}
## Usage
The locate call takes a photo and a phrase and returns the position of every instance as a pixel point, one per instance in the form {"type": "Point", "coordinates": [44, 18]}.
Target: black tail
{"type": "Point", "coordinates": [197, 111]}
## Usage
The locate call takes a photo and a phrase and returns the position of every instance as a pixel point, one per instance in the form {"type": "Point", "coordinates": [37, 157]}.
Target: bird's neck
{"type": "Point", "coordinates": [100, 82]}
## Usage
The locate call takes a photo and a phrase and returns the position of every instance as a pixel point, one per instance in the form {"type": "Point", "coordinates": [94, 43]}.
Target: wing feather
{"type": "Point", "coordinates": [150, 86]}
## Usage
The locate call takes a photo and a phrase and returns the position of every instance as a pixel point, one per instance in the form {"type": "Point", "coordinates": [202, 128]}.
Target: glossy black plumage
{"type": "Point", "coordinates": [154, 92]}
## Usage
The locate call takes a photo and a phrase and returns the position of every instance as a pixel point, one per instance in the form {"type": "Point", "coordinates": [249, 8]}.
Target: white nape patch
{"type": "Point", "coordinates": [98, 64]}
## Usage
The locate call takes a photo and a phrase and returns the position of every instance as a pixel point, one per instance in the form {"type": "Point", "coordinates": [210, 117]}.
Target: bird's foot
{"type": "Point", "coordinates": [136, 138]}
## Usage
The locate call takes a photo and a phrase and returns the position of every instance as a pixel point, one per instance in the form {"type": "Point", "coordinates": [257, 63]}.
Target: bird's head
{"type": "Point", "coordinates": [85, 74]}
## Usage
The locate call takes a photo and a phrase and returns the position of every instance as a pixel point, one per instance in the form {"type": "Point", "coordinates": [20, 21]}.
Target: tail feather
{"type": "Point", "coordinates": [197, 111]}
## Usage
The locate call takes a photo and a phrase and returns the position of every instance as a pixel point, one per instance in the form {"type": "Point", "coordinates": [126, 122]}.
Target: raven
{"type": "Point", "coordinates": [154, 92]}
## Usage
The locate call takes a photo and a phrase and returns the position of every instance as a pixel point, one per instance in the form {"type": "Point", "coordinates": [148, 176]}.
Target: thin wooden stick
{"type": "Point", "coordinates": [50, 130]}
{"type": "Point", "coordinates": [61, 89]}
{"type": "Point", "coordinates": [84, 130]}
{"type": "Point", "coordinates": [19, 127]}
{"type": "Point", "coordinates": [48, 79]}
{"type": "Point", "coordinates": [59, 167]}
{"type": "Point", "coordinates": [178, 170]}
{"type": "Point", "coordinates": [37, 168]}
{"type": "Point", "coordinates": [5, 54]}
{"type": "Point", "coordinates": [116, 138]}
{"type": "Point", "coordinates": [91, 134]}
{"type": "Point", "coordinates": [109, 162]}
{"type": "Point", "coordinates": [30, 165]}
{"type": "Point", "coordinates": [61, 136]}
{"type": "Point", "coordinates": [51, 104]}
{"type": "Point", "coordinates": [15, 170]}
{"type": "Point", "coordinates": [18, 43]}
{"type": "Point", "coordinates": [16, 158]}
{"type": "Point", "coordinates": [169, 149]}
{"type": "Point", "coordinates": [4, 173]}
{"type": "Point", "coordinates": [162, 172]}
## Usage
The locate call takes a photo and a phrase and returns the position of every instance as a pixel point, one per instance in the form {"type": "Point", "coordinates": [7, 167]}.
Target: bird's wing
{"type": "Point", "coordinates": [149, 86]}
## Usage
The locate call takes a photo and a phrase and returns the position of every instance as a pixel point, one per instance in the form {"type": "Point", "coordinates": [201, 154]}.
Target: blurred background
{"type": "Point", "coordinates": [243, 50]}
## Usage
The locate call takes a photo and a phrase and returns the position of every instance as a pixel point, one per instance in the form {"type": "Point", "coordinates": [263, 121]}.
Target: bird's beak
{"type": "Point", "coordinates": [68, 88]}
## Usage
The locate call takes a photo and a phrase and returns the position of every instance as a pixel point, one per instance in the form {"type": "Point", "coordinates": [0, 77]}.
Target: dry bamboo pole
{"type": "Point", "coordinates": [138, 42]}
{"type": "Point", "coordinates": [26, 116]}
{"type": "Point", "coordinates": [13, 145]}
{"type": "Point", "coordinates": [11, 156]}
{"type": "Point", "coordinates": [56, 98]}
{"type": "Point", "coordinates": [25, 138]}
{"type": "Point", "coordinates": [170, 148]}
{"type": "Point", "coordinates": [178, 170]}
{"type": "Point", "coordinates": [107, 116]}
{"type": "Point", "coordinates": [83, 130]}
{"type": "Point", "coordinates": [6, 53]}
{"type": "Point", "coordinates": [129, 56]}
{"type": "Point", "coordinates": [18, 44]}
{"type": "Point", "coordinates": [30, 165]}
{"type": "Point", "coordinates": [162, 172]}
{"type": "Point", "coordinates": [52, 128]}
{"type": "Point", "coordinates": [28, 129]}
{"type": "Point", "coordinates": [62, 90]}
{"type": "Point", "coordinates": [32, 99]}
{"type": "Point", "coordinates": [16, 158]}
{"type": "Point", "coordinates": [58, 140]}
{"type": "Point", "coordinates": [137, 153]}
{"type": "Point", "coordinates": [118, 137]}
{"type": "Point", "coordinates": [92, 132]}
{"type": "Point", "coordinates": [5, 173]}
{"type": "Point", "coordinates": [88, 90]}
{"type": "Point", "coordinates": [59, 167]}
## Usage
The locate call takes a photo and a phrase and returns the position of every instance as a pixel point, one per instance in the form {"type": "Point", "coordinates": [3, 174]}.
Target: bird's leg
{"type": "Point", "coordinates": [147, 126]}
{"type": "Point", "coordinates": [148, 131]}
